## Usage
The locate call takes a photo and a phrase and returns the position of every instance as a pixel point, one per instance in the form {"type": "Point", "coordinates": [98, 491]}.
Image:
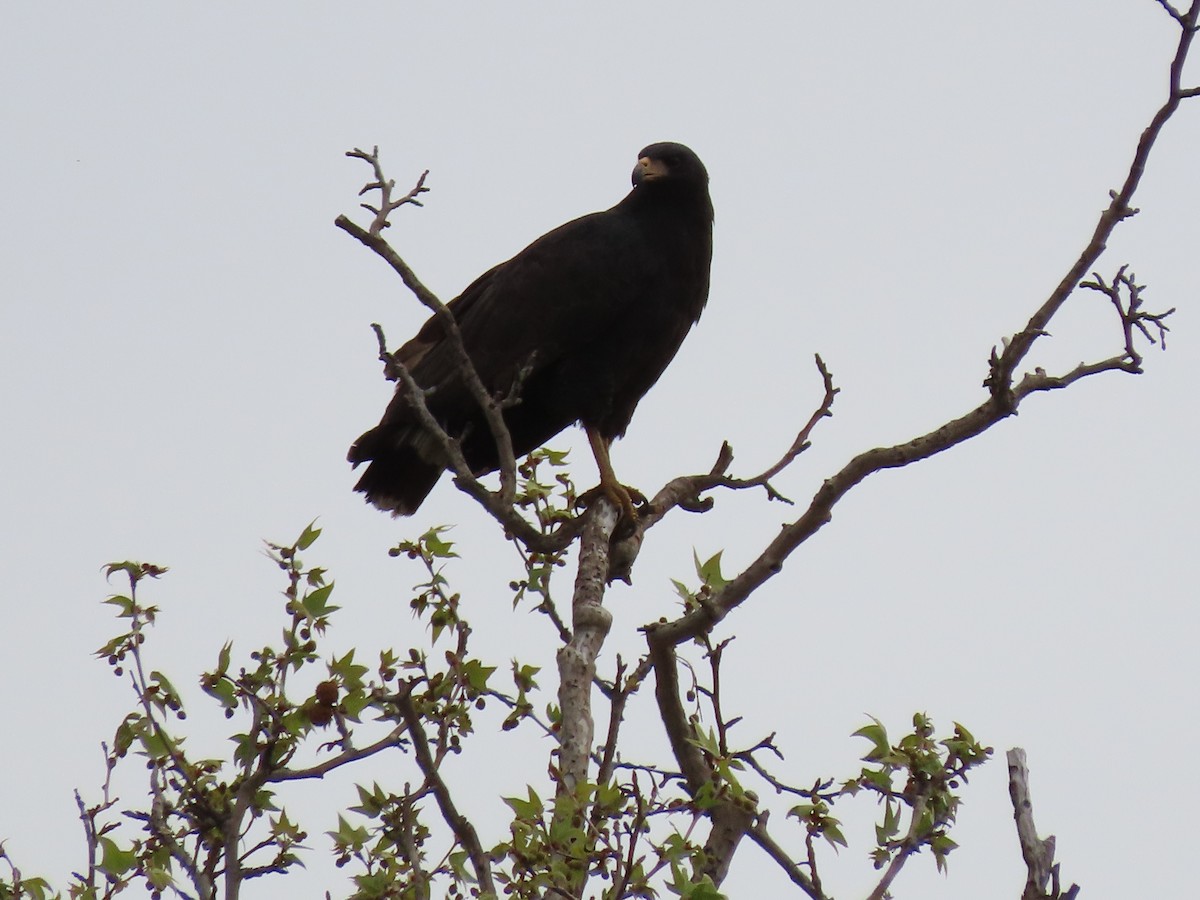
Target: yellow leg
{"type": "Point", "coordinates": [608, 478]}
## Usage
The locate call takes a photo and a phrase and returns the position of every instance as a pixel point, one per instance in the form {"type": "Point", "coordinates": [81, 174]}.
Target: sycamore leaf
{"type": "Point", "coordinates": [308, 535]}
{"type": "Point", "coordinates": [877, 735]}
{"type": "Point", "coordinates": [710, 570]}
{"type": "Point", "coordinates": [115, 862]}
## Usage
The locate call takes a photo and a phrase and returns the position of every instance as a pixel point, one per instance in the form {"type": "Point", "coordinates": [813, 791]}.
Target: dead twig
{"type": "Point", "coordinates": [685, 491]}
{"type": "Point", "coordinates": [385, 186]}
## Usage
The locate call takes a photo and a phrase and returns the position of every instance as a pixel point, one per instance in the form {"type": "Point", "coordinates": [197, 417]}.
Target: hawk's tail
{"type": "Point", "coordinates": [398, 478]}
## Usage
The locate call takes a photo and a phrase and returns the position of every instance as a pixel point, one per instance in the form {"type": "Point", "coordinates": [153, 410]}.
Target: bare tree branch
{"type": "Point", "coordinates": [908, 847]}
{"type": "Point", "coordinates": [685, 490]}
{"type": "Point", "coordinates": [730, 818]}
{"type": "Point", "coordinates": [1038, 854]}
{"type": "Point", "coordinates": [758, 833]}
{"type": "Point", "coordinates": [385, 186]}
{"type": "Point", "coordinates": [1005, 365]}
{"type": "Point", "coordinates": [393, 739]}
{"type": "Point", "coordinates": [1172, 12]}
{"type": "Point", "coordinates": [590, 623]}
{"type": "Point", "coordinates": [463, 830]}
{"type": "Point", "coordinates": [409, 825]}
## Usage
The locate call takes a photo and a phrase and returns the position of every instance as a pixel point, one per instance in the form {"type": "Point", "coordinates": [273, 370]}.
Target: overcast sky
{"type": "Point", "coordinates": [185, 357]}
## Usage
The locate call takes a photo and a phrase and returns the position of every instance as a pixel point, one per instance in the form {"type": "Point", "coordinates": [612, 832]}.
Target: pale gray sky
{"type": "Point", "coordinates": [185, 355]}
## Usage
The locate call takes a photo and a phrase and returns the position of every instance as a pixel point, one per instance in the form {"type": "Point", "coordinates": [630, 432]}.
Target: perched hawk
{"type": "Point", "coordinates": [587, 317]}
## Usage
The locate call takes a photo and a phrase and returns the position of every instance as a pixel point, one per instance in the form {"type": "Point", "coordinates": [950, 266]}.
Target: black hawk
{"type": "Point", "coordinates": [577, 326]}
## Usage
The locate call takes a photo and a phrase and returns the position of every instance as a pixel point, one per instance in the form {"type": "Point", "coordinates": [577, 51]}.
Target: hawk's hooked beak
{"type": "Point", "coordinates": [648, 169]}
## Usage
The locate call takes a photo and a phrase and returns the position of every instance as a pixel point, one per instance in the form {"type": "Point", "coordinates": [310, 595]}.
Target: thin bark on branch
{"type": "Point", "coordinates": [1039, 854]}
{"type": "Point", "coordinates": [758, 833]}
{"type": "Point", "coordinates": [590, 623]}
{"type": "Point", "coordinates": [618, 698]}
{"type": "Point", "coordinates": [1171, 11]}
{"type": "Point", "coordinates": [393, 739]}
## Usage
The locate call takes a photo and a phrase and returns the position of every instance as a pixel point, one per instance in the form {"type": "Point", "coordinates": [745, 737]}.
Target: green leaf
{"type": "Point", "coordinates": [706, 741]}
{"type": "Point", "coordinates": [165, 684]}
{"type": "Point", "coordinates": [941, 845]}
{"type": "Point", "coordinates": [264, 801]}
{"type": "Point", "coordinates": [692, 889]}
{"type": "Point", "coordinates": [891, 824]}
{"type": "Point", "coordinates": [354, 703]}
{"type": "Point", "coordinates": [316, 603]}
{"type": "Point", "coordinates": [526, 809]}
{"type": "Point", "coordinates": [115, 861]}
{"type": "Point", "coordinates": [960, 732]}
{"type": "Point", "coordinates": [554, 457]}
{"type": "Point", "coordinates": [710, 570]}
{"type": "Point", "coordinates": [832, 832]}
{"type": "Point", "coordinates": [880, 779]}
{"type": "Point", "coordinates": [156, 744]}
{"type": "Point", "coordinates": [125, 604]}
{"type": "Point", "coordinates": [705, 796]}
{"type": "Point", "coordinates": [458, 864]}
{"type": "Point", "coordinates": [682, 590]}
{"type": "Point", "coordinates": [159, 878]}
{"type": "Point", "coordinates": [350, 672]}
{"type": "Point", "coordinates": [877, 735]}
{"type": "Point", "coordinates": [523, 676]}
{"type": "Point", "coordinates": [310, 534]}
{"type": "Point", "coordinates": [477, 675]}
{"type": "Point", "coordinates": [135, 570]}
{"type": "Point", "coordinates": [372, 885]}
{"type": "Point", "coordinates": [35, 888]}
{"type": "Point", "coordinates": [435, 545]}
{"type": "Point", "coordinates": [222, 689]}
{"type": "Point", "coordinates": [349, 837]}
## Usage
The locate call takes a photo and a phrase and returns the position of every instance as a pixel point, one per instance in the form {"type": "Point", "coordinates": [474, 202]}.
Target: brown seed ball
{"type": "Point", "coordinates": [319, 714]}
{"type": "Point", "coordinates": [326, 693]}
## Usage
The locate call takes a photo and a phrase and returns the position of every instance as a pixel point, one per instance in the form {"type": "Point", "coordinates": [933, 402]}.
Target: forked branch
{"type": "Point", "coordinates": [385, 186]}
{"type": "Point", "coordinates": [685, 491]}
{"type": "Point", "coordinates": [1004, 365]}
